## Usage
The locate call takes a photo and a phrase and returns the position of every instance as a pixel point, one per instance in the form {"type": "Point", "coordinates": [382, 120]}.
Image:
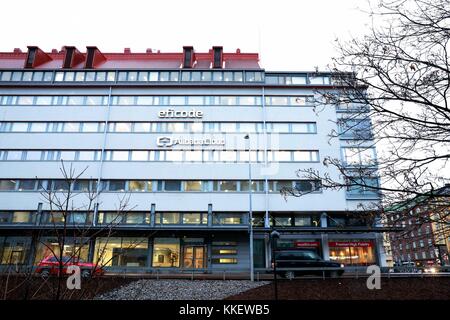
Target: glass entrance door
{"type": "Point", "coordinates": [194, 257]}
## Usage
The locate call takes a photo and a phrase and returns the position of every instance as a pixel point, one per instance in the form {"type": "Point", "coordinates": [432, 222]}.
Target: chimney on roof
{"type": "Point", "coordinates": [72, 57]}
{"type": "Point", "coordinates": [188, 57]}
{"type": "Point", "coordinates": [93, 57]}
{"type": "Point", "coordinates": [36, 57]}
{"type": "Point", "coordinates": [127, 50]}
{"type": "Point", "coordinates": [148, 50]}
{"type": "Point", "coordinates": [17, 50]}
{"type": "Point", "coordinates": [217, 57]}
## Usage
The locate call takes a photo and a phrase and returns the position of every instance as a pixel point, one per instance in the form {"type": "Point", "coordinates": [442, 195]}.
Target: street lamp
{"type": "Point", "coordinates": [250, 212]}
{"type": "Point", "coordinates": [274, 235]}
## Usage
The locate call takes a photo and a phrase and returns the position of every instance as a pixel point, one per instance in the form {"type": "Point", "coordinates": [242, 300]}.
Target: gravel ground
{"type": "Point", "coordinates": [180, 290]}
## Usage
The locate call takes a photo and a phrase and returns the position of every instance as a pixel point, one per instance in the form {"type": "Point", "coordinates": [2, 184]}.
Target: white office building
{"type": "Point", "coordinates": [160, 142]}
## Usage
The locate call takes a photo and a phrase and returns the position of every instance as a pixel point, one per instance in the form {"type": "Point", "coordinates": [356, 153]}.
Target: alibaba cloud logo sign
{"type": "Point", "coordinates": [164, 142]}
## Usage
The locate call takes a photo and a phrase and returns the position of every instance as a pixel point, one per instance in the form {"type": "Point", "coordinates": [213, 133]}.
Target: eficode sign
{"type": "Point", "coordinates": [171, 113]}
{"type": "Point", "coordinates": [168, 142]}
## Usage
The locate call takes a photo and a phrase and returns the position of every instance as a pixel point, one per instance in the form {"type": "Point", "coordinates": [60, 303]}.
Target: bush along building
{"type": "Point", "coordinates": [172, 149]}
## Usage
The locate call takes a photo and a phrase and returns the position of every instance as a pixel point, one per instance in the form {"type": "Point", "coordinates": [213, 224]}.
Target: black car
{"type": "Point", "coordinates": [288, 261]}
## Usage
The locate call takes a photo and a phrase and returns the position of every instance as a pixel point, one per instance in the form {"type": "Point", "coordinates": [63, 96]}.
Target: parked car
{"type": "Point", "coordinates": [50, 266]}
{"type": "Point", "coordinates": [305, 259]}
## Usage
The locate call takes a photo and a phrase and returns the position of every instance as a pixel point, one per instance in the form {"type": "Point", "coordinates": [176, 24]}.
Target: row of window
{"type": "Point", "coordinates": [163, 76]}
{"type": "Point", "coordinates": [423, 255]}
{"type": "Point", "coordinates": [297, 80]}
{"type": "Point", "coordinates": [77, 100]}
{"type": "Point", "coordinates": [351, 156]}
{"type": "Point", "coordinates": [414, 245]}
{"type": "Point", "coordinates": [173, 218]}
{"type": "Point", "coordinates": [160, 155]}
{"type": "Point", "coordinates": [144, 127]}
{"type": "Point", "coordinates": [158, 185]}
{"type": "Point", "coordinates": [117, 251]}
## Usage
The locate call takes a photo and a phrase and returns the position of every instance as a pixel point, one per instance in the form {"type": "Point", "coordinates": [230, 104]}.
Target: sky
{"type": "Point", "coordinates": [288, 34]}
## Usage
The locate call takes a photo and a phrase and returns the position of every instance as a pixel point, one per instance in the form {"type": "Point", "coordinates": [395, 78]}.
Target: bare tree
{"type": "Point", "coordinates": [69, 220]}
{"type": "Point", "coordinates": [395, 80]}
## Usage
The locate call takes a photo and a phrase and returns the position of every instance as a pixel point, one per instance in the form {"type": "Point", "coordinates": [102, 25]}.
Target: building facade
{"type": "Point", "coordinates": [424, 240]}
{"type": "Point", "coordinates": [167, 172]}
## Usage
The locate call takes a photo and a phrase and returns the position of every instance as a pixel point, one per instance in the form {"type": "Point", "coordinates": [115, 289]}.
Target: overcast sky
{"type": "Point", "coordinates": [289, 34]}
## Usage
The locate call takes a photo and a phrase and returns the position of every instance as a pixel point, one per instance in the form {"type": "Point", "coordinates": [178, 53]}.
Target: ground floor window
{"type": "Point", "coordinates": [166, 252]}
{"type": "Point", "coordinates": [353, 252]}
{"type": "Point", "coordinates": [71, 247]}
{"type": "Point", "coordinates": [121, 252]}
{"type": "Point", "coordinates": [14, 250]}
{"type": "Point", "coordinates": [224, 252]}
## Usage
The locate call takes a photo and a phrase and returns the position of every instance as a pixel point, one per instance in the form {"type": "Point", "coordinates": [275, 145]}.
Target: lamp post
{"type": "Point", "coordinates": [250, 212]}
{"type": "Point", "coordinates": [274, 235]}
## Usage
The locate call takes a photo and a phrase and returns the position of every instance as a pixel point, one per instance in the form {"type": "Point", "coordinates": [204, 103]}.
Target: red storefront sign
{"type": "Point", "coordinates": [353, 244]}
{"type": "Point", "coordinates": [306, 244]}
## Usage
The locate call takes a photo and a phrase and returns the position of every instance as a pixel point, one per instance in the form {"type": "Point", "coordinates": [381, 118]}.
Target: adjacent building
{"type": "Point", "coordinates": [171, 147]}
{"type": "Point", "coordinates": [424, 240]}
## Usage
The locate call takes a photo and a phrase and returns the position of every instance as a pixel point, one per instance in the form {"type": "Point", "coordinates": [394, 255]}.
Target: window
{"type": "Point", "coordinates": [255, 185]}
{"type": "Point", "coordinates": [228, 100]}
{"type": "Point", "coordinates": [168, 218]}
{"type": "Point", "coordinates": [71, 127]}
{"type": "Point", "coordinates": [82, 185]}
{"type": "Point", "coordinates": [359, 156]}
{"type": "Point", "coordinates": [193, 218]}
{"type": "Point", "coordinates": [14, 250]}
{"type": "Point", "coordinates": [90, 127]}
{"type": "Point", "coordinates": [228, 156]}
{"type": "Point", "coordinates": [307, 185]}
{"type": "Point", "coordinates": [362, 186]}
{"type": "Point", "coordinates": [175, 127]}
{"type": "Point", "coordinates": [19, 127]}
{"type": "Point", "coordinates": [123, 127]}
{"type": "Point", "coordinates": [139, 155]}
{"type": "Point", "coordinates": [7, 185]}
{"type": "Point", "coordinates": [247, 101]}
{"type": "Point", "coordinates": [278, 127]}
{"type": "Point", "coordinates": [137, 186]}
{"type": "Point", "coordinates": [124, 252]}
{"type": "Point", "coordinates": [302, 221]}
{"type": "Point", "coordinates": [38, 127]}
{"type": "Point", "coordinates": [43, 100]}
{"type": "Point", "coordinates": [306, 156]}
{"type": "Point", "coordinates": [225, 186]}
{"type": "Point", "coordinates": [34, 155]}
{"type": "Point", "coordinates": [282, 221]}
{"type": "Point", "coordinates": [14, 155]}
{"type": "Point", "coordinates": [142, 127]}
{"type": "Point", "coordinates": [117, 185]}
{"type": "Point", "coordinates": [27, 185]}
{"type": "Point", "coordinates": [227, 218]}
{"type": "Point", "coordinates": [279, 185]}
{"type": "Point", "coordinates": [193, 186]}
{"type": "Point", "coordinates": [136, 218]}
{"type": "Point", "coordinates": [193, 156]}
{"type": "Point", "coordinates": [279, 156]}
{"type": "Point", "coordinates": [174, 155]}
{"type": "Point", "coordinates": [172, 185]}
{"type": "Point", "coordinates": [120, 155]}
{"type": "Point", "coordinates": [166, 252]}
{"type": "Point", "coordinates": [228, 127]}
{"type": "Point", "coordinates": [67, 155]}
{"type": "Point", "coordinates": [86, 155]}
